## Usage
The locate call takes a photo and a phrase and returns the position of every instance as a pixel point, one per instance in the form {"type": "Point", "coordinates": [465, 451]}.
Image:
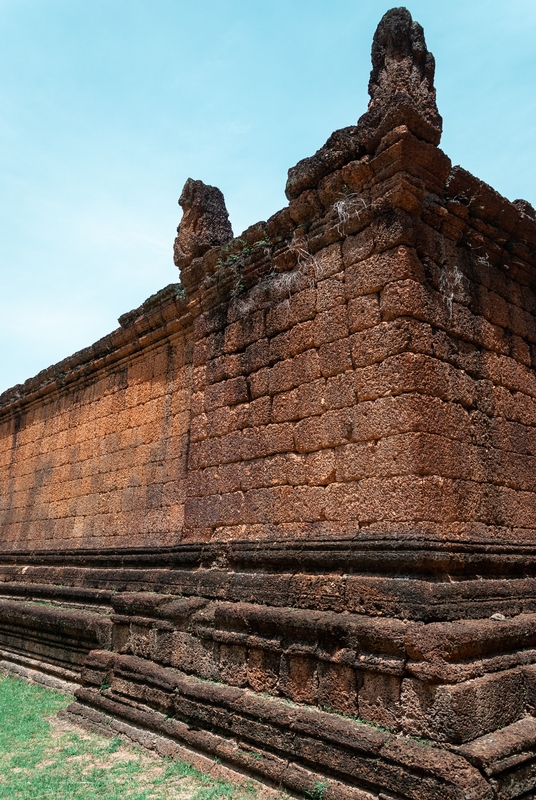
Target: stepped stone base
{"type": "Point", "coordinates": [362, 680]}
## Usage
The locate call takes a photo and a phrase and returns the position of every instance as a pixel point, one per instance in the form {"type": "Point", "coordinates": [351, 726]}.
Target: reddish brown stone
{"type": "Point", "coordinates": [309, 473]}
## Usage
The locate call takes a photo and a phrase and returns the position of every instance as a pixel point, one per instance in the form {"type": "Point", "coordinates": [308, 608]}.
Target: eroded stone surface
{"type": "Point", "coordinates": [295, 495]}
{"type": "Point", "coordinates": [401, 85]}
{"type": "Point", "coordinates": [205, 222]}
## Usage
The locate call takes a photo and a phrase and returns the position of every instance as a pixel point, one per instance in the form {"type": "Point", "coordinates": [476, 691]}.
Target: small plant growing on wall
{"type": "Point", "coordinates": [317, 792]}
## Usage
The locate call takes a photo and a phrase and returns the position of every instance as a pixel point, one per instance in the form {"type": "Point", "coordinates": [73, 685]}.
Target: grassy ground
{"type": "Point", "coordinates": [41, 759]}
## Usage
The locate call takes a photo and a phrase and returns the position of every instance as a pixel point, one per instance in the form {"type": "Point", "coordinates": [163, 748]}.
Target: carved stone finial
{"type": "Point", "coordinates": [401, 85]}
{"type": "Point", "coordinates": [204, 224]}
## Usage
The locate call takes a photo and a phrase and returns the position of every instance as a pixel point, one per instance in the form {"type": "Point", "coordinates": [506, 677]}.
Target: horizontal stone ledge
{"type": "Point", "coordinates": [376, 634]}
{"type": "Point", "coordinates": [70, 623]}
{"type": "Point", "coordinates": [349, 639]}
{"type": "Point", "coordinates": [173, 593]}
{"type": "Point", "coordinates": [155, 604]}
{"type": "Point", "coordinates": [11, 656]}
{"type": "Point", "coordinates": [503, 749]}
{"type": "Point", "coordinates": [54, 676]}
{"type": "Point", "coordinates": [452, 652]}
{"type": "Point", "coordinates": [100, 722]}
{"type": "Point", "coordinates": [39, 591]}
{"type": "Point", "coordinates": [230, 762]}
{"type": "Point", "coordinates": [439, 557]}
{"type": "Point", "coordinates": [340, 748]}
{"type": "Point", "coordinates": [465, 639]}
{"type": "Point", "coordinates": [478, 667]}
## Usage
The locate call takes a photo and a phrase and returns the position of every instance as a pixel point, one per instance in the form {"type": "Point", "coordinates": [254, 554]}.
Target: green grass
{"type": "Point", "coordinates": [40, 761]}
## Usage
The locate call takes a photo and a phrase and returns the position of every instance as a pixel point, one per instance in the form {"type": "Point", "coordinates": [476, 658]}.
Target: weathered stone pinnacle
{"type": "Point", "coordinates": [204, 224]}
{"type": "Point", "coordinates": [402, 92]}
{"type": "Point", "coordinates": [401, 85]}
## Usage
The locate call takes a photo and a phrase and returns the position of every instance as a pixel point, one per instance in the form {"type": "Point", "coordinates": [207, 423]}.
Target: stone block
{"type": "Point", "coordinates": [462, 712]}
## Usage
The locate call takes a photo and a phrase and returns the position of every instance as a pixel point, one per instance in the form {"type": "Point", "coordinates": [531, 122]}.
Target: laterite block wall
{"type": "Point", "coordinates": [285, 514]}
{"type": "Point", "coordinates": [101, 461]}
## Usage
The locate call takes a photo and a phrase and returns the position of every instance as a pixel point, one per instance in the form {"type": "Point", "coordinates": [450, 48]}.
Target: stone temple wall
{"type": "Point", "coordinates": [379, 377]}
{"type": "Point", "coordinates": [285, 514]}
{"type": "Point", "coordinates": [93, 451]}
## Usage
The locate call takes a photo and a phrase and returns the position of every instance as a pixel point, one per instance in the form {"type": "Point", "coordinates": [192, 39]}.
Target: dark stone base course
{"type": "Point", "coordinates": [290, 745]}
{"type": "Point", "coordinates": [61, 637]}
{"type": "Point", "coordinates": [98, 722]}
{"type": "Point", "coordinates": [44, 673]}
{"type": "Point", "coordinates": [203, 650]}
{"type": "Point", "coordinates": [393, 575]}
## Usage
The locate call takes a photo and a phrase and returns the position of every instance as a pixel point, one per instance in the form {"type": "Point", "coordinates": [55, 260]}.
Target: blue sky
{"type": "Point", "coordinates": [107, 106]}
